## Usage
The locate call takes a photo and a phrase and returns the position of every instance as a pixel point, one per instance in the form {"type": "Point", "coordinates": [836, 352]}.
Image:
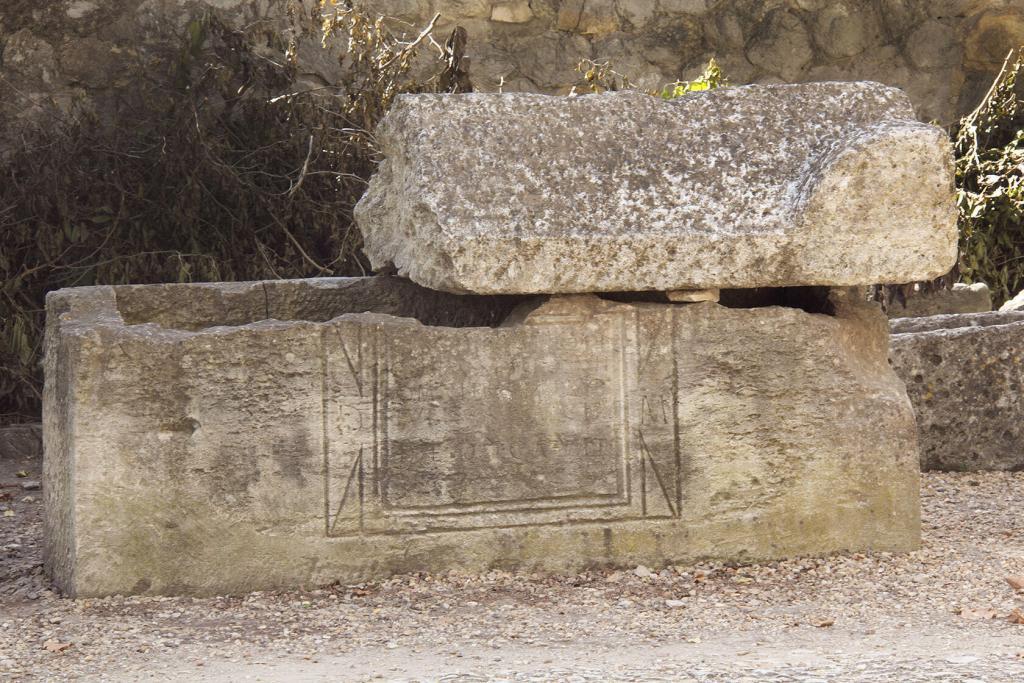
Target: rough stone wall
{"type": "Point", "coordinates": [942, 52]}
{"type": "Point", "coordinates": [92, 56]}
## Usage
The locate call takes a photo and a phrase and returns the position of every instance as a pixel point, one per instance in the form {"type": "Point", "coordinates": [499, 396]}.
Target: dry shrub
{"type": "Point", "coordinates": [989, 151]}
{"type": "Point", "coordinates": [990, 185]}
{"type": "Point", "coordinates": [228, 170]}
{"type": "Point", "coordinates": [601, 77]}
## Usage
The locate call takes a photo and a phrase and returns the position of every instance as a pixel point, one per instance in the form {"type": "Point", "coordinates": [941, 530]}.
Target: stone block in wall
{"type": "Point", "coordinates": [933, 45]}
{"type": "Point", "coordinates": [993, 33]}
{"type": "Point", "coordinates": [780, 46]}
{"type": "Point", "coordinates": [843, 30]}
{"type": "Point", "coordinates": [185, 456]}
{"type": "Point", "coordinates": [965, 377]}
{"type": "Point", "coordinates": [588, 17]}
{"type": "Point", "coordinates": [515, 12]}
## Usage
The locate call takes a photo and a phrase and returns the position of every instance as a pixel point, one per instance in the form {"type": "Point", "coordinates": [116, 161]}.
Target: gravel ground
{"type": "Point", "coordinates": [944, 613]}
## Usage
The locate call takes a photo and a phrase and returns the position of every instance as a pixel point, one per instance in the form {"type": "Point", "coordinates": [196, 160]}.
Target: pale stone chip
{"type": "Point", "coordinates": [693, 295]}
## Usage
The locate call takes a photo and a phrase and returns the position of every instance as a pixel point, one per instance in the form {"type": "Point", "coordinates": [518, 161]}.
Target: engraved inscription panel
{"type": "Point", "coordinates": [655, 422]}
{"type": "Point", "coordinates": [525, 414]}
{"type": "Point", "coordinates": [437, 429]}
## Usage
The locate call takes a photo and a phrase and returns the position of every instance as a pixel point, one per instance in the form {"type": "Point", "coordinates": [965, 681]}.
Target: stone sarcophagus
{"type": "Point", "coordinates": [222, 438]}
{"type": "Point", "coordinates": [210, 446]}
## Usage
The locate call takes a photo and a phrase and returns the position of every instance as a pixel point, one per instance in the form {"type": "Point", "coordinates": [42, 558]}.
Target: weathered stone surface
{"type": "Point", "coordinates": [818, 184]}
{"type": "Point", "coordinates": [21, 441]}
{"type": "Point", "coordinates": [965, 377]}
{"type": "Point", "coordinates": [195, 459]}
{"type": "Point", "coordinates": [953, 321]}
{"type": "Point", "coordinates": [962, 298]}
{"type": "Point", "coordinates": [316, 299]}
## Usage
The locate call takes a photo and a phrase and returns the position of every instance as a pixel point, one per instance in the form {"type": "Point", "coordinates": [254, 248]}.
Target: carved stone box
{"type": "Point", "coordinates": [219, 438]}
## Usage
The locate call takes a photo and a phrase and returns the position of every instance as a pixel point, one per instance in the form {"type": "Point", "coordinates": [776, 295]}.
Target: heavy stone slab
{"type": "Point", "coordinates": [755, 186]}
{"type": "Point", "coordinates": [187, 458]}
{"type": "Point", "coordinates": [965, 377]}
{"type": "Point", "coordinates": [962, 298]}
